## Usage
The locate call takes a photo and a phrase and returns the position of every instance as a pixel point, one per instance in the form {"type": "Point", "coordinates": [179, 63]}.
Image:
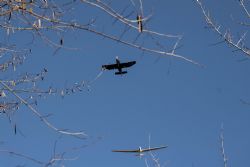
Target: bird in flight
{"type": "Point", "coordinates": [140, 150]}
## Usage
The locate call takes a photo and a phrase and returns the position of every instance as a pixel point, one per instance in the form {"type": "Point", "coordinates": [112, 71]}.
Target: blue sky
{"type": "Point", "coordinates": [175, 102]}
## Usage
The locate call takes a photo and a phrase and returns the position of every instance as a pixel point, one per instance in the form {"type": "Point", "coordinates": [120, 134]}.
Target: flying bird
{"type": "Point", "coordinates": [119, 66]}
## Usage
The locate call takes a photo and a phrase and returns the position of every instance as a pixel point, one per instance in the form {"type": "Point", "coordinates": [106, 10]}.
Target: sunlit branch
{"type": "Point", "coordinates": [43, 119]}
{"type": "Point", "coordinates": [223, 147]}
{"type": "Point", "coordinates": [114, 38]}
{"type": "Point", "coordinates": [227, 36]}
{"type": "Point", "coordinates": [106, 8]}
{"type": "Point", "coordinates": [242, 3]}
{"type": "Point", "coordinates": [41, 22]}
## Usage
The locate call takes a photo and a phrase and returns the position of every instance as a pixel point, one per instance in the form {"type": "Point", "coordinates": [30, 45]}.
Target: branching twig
{"type": "Point", "coordinates": [35, 20]}
{"type": "Point", "coordinates": [43, 119]}
{"type": "Point", "coordinates": [113, 13]}
{"type": "Point", "coordinates": [226, 36]}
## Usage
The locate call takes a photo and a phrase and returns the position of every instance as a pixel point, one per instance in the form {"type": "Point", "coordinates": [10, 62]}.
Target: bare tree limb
{"type": "Point", "coordinates": [227, 36]}
{"type": "Point", "coordinates": [242, 3]}
{"type": "Point", "coordinates": [81, 135]}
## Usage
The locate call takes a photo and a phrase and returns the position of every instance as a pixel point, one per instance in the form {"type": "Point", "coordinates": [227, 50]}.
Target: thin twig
{"type": "Point", "coordinates": [242, 3]}
{"type": "Point", "coordinates": [43, 119]}
{"type": "Point", "coordinates": [223, 147]}
{"type": "Point", "coordinates": [23, 156]}
{"type": "Point", "coordinates": [227, 37]}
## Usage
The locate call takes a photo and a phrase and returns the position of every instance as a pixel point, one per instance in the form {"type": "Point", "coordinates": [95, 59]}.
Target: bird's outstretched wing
{"type": "Point", "coordinates": [128, 64]}
{"type": "Point", "coordinates": [110, 66]}
{"type": "Point", "coordinates": [154, 148]}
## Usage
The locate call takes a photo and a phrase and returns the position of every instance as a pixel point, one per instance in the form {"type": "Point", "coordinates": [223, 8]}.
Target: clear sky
{"type": "Point", "coordinates": [175, 102]}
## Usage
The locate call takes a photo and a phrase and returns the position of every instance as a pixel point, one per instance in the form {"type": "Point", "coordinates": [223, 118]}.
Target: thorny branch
{"type": "Point", "coordinates": [238, 44]}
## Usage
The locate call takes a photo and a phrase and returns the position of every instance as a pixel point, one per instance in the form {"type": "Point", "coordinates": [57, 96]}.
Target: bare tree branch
{"type": "Point", "coordinates": [43, 119]}
{"type": "Point", "coordinates": [223, 147]}
{"type": "Point", "coordinates": [226, 36]}
{"type": "Point", "coordinates": [23, 156]}
{"type": "Point", "coordinates": [242, 3]}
